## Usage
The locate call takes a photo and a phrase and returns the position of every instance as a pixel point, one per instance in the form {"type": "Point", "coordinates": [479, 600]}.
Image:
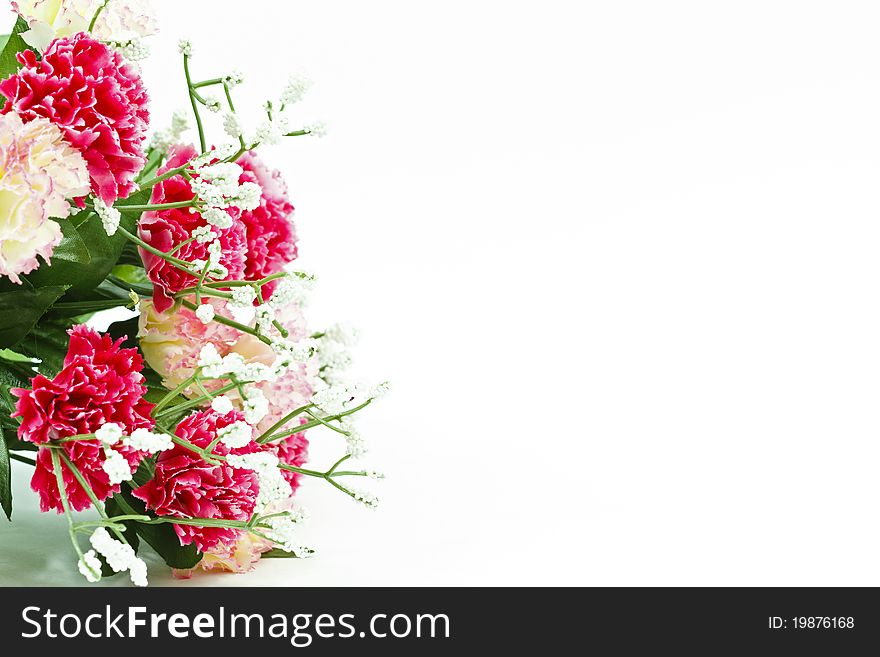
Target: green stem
{"type": "Point", "coordinates": [195, 106]}
{"type": "Point", "coordinates": [97, 13]}
{"type": "Point", "coordinates": [171, 395]}
{"type": "Point", "coordinates": [207, 83]}
{"type": "Point", "coordinates": [280, 423]}
{"type": "Point", "coordinates": [192, 403]}
{"type": "Point", "coordinates": [165, 176]}
{"type": "Point", "coordinates": [91, 494]}
{"type": "Point", "coordinates": [62, 493]}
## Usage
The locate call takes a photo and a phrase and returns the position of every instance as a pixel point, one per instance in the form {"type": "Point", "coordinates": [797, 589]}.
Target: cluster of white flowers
{"type": "Point", "coordinates": [205, 313]}
{"type": "Point", "coordinates": [271, 132]}
{"type": "Point", "coordinates": [332, 398]}
{"type": "Point", "coordinates": [204, 234]}
{"type": "Point", "coordinates": [284, 532]}
{"type": "Point", "coordinates": [217, 187]}
{"type": "Point", "coordinates": [333, 358]}
{"type": "Point", "coordinates": [109, 215]}
{"type": "Point", "coordinates": [375, 474]}
{"type": "Point", "coordinates": [343, 333]}
{"type": "Point", "coordinates": [213, 366]}
{"type": "Point", "coordinates": [222, 404]}
{"type": "Point", "coordinates": [134, 49]}
{"type": "Point", "coordinates": [273, 486]}
{"type": "Point", "coordinates": [118, 555]}
{"type": "Point", "coordinates": [167, 137]}
{"type": "Point", "coordinates": [232, 125]}
{"type": "Point", "coordinates": [287, 353]}
{"type": "Point", "coordinates": [212, 104]}
{"type": "Point", "coordinates": [367, 499]}
{"type": "Point", "coordinates": [184, 46]}
{"type": "Point", "coordinates": [142, 440]}
{"type": "Point", "coordinates": [255, 405]}
{"type": "Point", "coordinates": [316, 129]}
{"type": "Point", "coordinates": [235, 435]}
{"type": "Point", "coordinates": [241, 306]}
{"type": "Point", "coordinates": [296, 88]}
{"type": "Point", "coordinates": [234, 78]}
{"type": "Point", "coordinates": [265, 314]}
{"type": "Point", "coordinates": [145, 440]}
{"type": "Point", "coordinates": [292, 289]}
{"type": "Point", "coordinates": [116, 466]}
{"type": "Point", "coordinates": [354, 441]}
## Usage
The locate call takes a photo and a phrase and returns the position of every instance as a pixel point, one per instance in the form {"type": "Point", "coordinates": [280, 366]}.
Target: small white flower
{"type": "Point", "coordinates": [283, 531]}
{"type": "Point", "coordinates": [218, 218]}
{"type": "Point", "coordinates": [354, 441]}
{"type": "Point", "coordinates": [238, 434]}
{"type": "Point", "coordinates": [343, 333]}
{"type": "Point", "coordinates": [109, 433]}
{"type": "Point", "coordinates": [234, 78]}
{"type": "Point", "coordinates": [374, 474]}
{"type": "Point", "coordinates": [232, 125]}
{"type": "Point", "coordinates": [256, 406]}
{"type": "Point", "coordinates": [265, 316]}
{"type": "Point", "coordinates": [332, 399]}
{"type": "Point", "coordinates": [247, 197]}
{"type": "Point", "coordinates": [184, 46]}
{"type": "Point", "coordinates": [116, 467]}
{"type": "Point", "coordinates": [204, 234]}
{"type": "Point", "coordinates": [90, 566]}
{"type": "Point", "coordinates": [296, 88]}
{"type": "Point", "coordinates": [367, 499]}
{"type": "Point", "coordinates": [145, 440]}
{"type": "Point", "coordinates": [222, 404]}
{"type": "Point", "coordinates": [380, 390]}
{"type": "Point", "coordinates": [205, 313]}
{"type": "Point", "coordinates": [109, 215]}
{"type": "Point", "coordinates": [317, 129]}
{"type": "Point", "coordinates": [137, 570]}
{"type": "Point", "coordinates": [215, 252]}
{"type": "Point", "coordinates": [273, 486]}
{"type": "Point", "coordinates": [209, 356]}
{"type": "Point", "coordinates": [271, 132]}
{"type": "Point", "coordinates": [118, 555]}
{"type": "Point", "coordinates": [134, 49]}
{"type": "Point", "coordinates": [212, 104]}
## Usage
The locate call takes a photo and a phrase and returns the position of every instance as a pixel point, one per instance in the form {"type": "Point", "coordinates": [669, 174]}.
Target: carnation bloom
{"type": "Point", "coordinates": [120, 20]}
{"type": "Point", "coordinates": [39, 171]}
{"type": "Point", "coordinates": [100, 382]}
{"type": "Point", "coordinates": [171, 341]}
{"type": "Point", "coordinates": [271, 238]}
{"type": "Point", "coordinates": [95, 97]}
{"type": "Point", "coordinates": [185, 486]}
{"type": "Point", "coordinates": [166, 229]}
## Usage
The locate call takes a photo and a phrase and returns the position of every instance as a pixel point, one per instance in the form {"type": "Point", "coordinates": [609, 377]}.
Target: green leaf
{"type": "Point", "coordinates": [48, 342]}
{"type": "Point", "coordinates": [162, 538]}
{"type": "Point", "coordinates": [5, 481]}
{"type": "Point", "coordinates": [278, 553]}
{"type": "Point", "coordinates": [21, 309]}
{"type": "Point", "coordinates": [11, 47]}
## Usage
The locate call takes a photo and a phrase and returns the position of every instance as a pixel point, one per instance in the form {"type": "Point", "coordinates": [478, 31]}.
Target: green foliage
{"type": "Point", "coordinates": [5, 481]}
{"type": "Point", "coordinates": [21, 309]}
{"type": "Point", "coordinates": [11, 46]}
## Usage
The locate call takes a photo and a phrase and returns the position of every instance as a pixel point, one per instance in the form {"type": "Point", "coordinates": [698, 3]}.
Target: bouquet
{"type": "Point", "coordinates": [186, 424]}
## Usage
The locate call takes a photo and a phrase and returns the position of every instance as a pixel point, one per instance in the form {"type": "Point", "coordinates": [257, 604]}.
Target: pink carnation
{"type": "Point", "coordinates": [185, 486]}
{"type": "Point", "coordinates": [271, 237]}
{"type": "Point", "coordinates": [165, 229]}
{"type": "Point", "coordinates": [100, 382]}
{"type": "Point", "coordinates": [97, 99]}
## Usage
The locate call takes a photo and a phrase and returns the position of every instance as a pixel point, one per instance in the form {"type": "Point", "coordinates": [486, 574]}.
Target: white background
{"type": "Point", "coordinates": [620, 263]}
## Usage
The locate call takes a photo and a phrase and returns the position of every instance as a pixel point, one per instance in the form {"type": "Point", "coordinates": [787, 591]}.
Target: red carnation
{"type": "Point", "coordinates": [271, 237]}
{"type": "Point", "coordinates": [185, 486]}
{"type": "Point", "coordinates": [166, 229]}
{"type": "Point", "coordinates": [97, 99]}
{"type": "Point", "coordinates": [100, 382]}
